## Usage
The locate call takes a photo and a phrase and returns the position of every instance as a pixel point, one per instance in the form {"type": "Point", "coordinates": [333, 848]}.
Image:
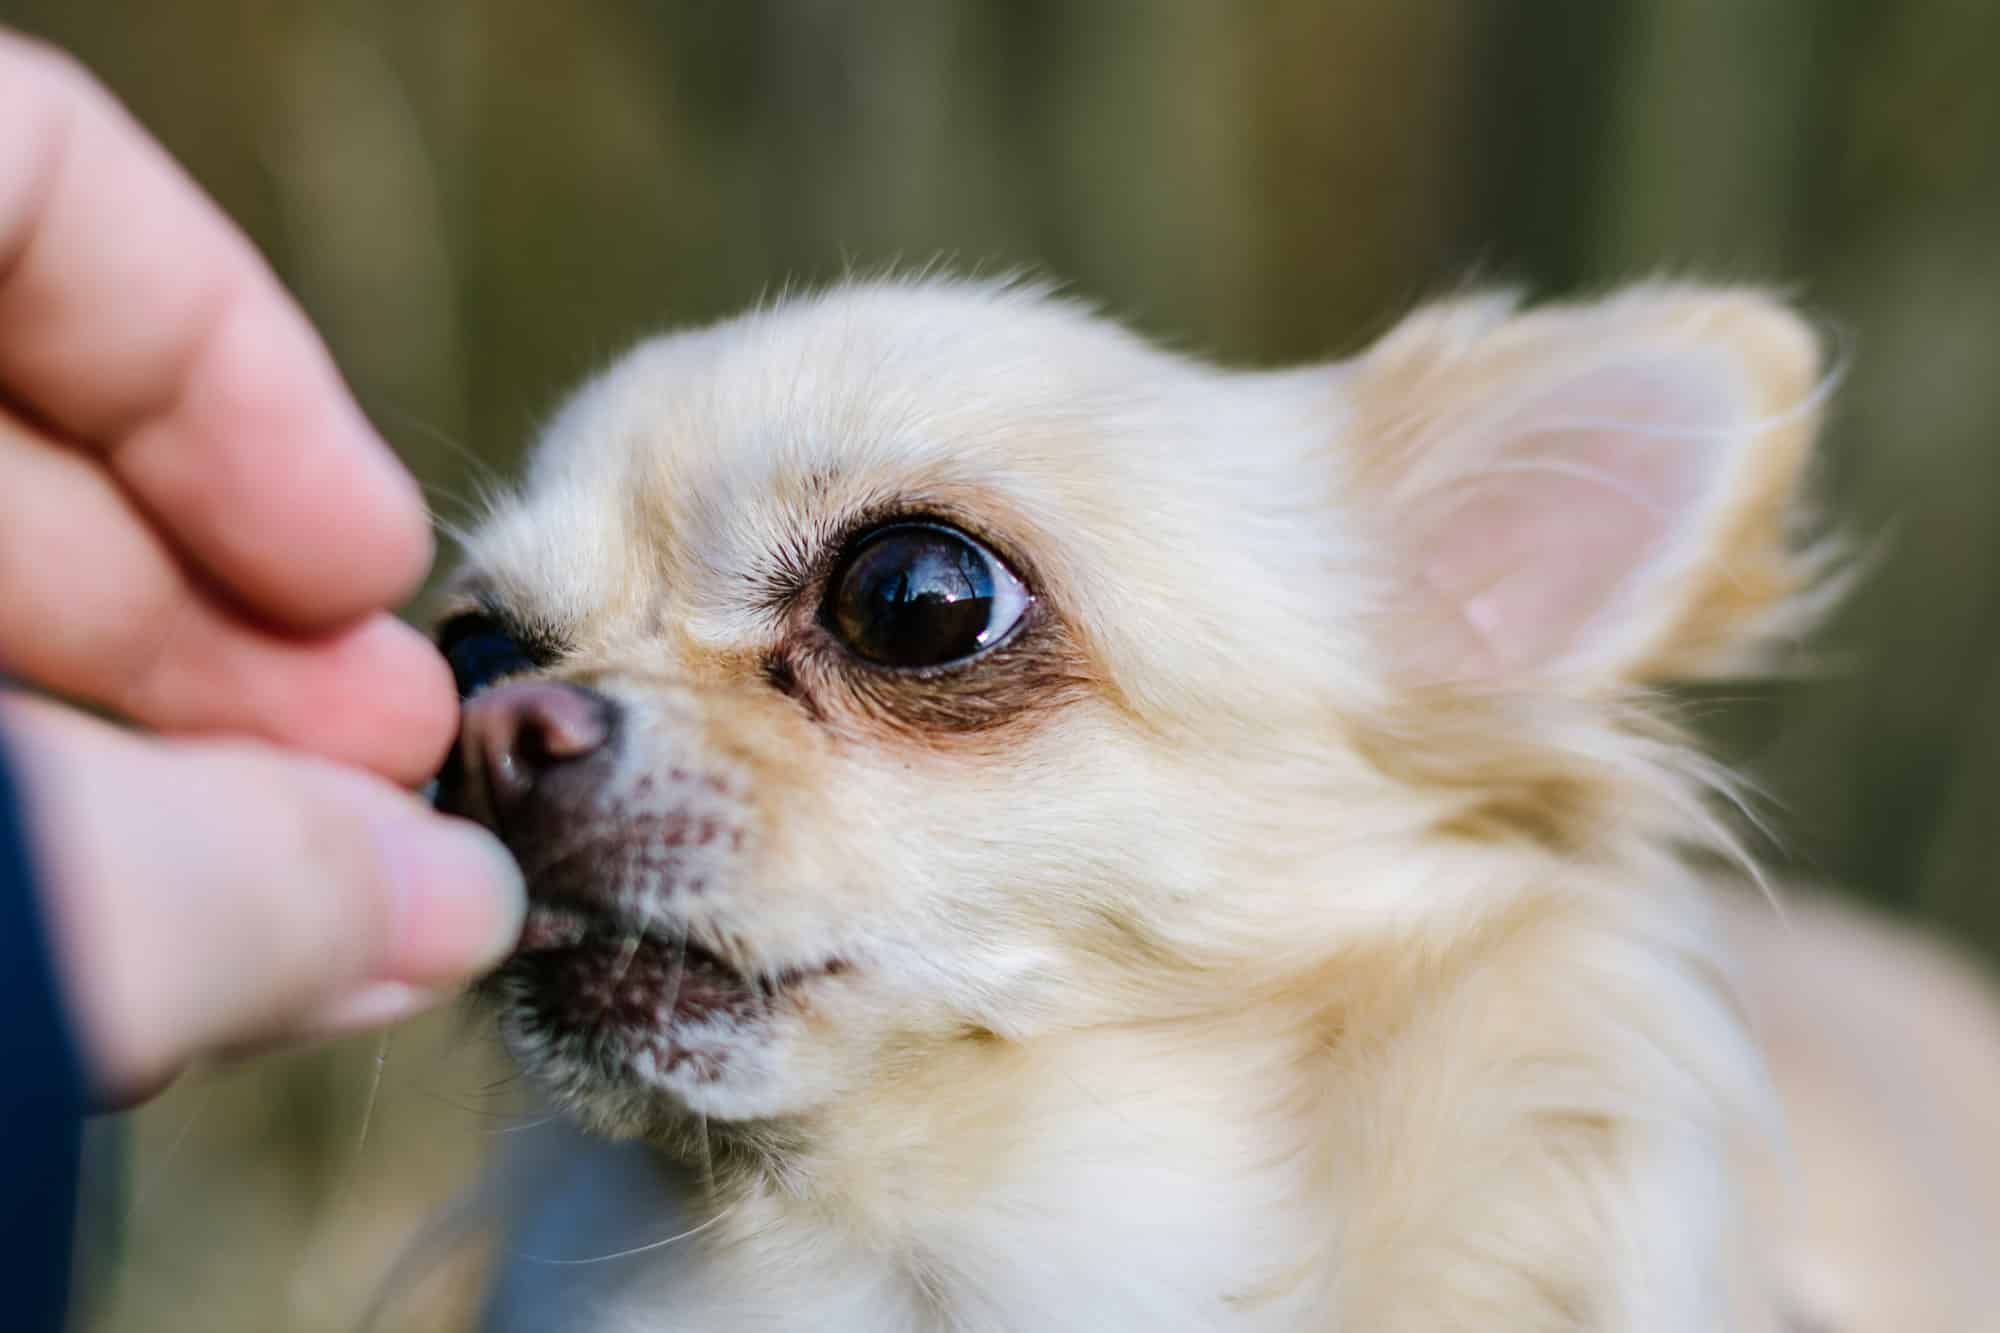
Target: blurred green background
{"type": "Point", "coordinates": [480, 202]}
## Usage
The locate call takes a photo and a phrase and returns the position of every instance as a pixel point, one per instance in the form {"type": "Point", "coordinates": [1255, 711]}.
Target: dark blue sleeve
{"type": "Point", "coordinates": [42, 1099]}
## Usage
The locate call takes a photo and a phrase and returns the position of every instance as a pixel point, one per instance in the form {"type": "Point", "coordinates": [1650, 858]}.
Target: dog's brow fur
{"type": "Point", "coordinates": [1282, 928]}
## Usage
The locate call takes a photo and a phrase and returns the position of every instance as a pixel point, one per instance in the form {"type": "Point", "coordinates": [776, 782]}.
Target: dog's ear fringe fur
{"type": "Point", "coordinates": [1567, 768]}
{"type": "Point", "coordinates": [1775, 570]}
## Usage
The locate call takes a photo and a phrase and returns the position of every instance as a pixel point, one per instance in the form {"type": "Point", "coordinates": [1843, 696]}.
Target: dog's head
{"type": "Point", "coordinates": [926, 664]}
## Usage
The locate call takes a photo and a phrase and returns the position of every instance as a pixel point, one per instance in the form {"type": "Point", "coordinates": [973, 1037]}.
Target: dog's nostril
{"type": "Point", "coordinates": [516, 733]}
{"type": "Point", "coordinates": [562, 723]}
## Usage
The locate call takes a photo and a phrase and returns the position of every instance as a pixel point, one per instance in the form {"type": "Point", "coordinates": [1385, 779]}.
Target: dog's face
{"type": "Point", "coordinates": [927, 665]}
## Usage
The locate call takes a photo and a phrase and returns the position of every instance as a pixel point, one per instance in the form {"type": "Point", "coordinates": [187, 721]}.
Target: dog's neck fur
{"type": "Point", "coordinates": [1140, 1178]}
{"type": "Point", "coordinates": [1377, 1149]}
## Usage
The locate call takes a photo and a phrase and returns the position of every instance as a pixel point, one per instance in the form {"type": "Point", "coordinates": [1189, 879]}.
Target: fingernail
{"type": "Point", "coordinates": [374, 1005]}
{"type": "Point", "coordinates": [460, 899]}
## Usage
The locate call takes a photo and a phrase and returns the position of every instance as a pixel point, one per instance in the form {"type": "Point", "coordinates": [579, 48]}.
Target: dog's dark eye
{"type": "Point", "coordinates": [480, 652]}
{"type": "Point", "coordinates": [916, 595]}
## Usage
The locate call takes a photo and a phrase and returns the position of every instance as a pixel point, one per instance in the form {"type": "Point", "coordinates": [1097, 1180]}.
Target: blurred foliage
{"type": "Point", "coordinates": [480, 200]}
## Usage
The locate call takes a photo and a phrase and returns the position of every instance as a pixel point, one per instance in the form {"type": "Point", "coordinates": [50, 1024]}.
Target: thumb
{"type": "Point", "coordinates": [207, 897]}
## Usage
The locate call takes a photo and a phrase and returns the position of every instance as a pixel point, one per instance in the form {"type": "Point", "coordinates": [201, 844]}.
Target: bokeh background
{"type": "Point", "coordinates": [481, 200]}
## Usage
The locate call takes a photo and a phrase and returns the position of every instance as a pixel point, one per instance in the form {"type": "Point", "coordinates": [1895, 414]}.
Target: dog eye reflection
{"type": "Point", "coordinates": [915, 595]}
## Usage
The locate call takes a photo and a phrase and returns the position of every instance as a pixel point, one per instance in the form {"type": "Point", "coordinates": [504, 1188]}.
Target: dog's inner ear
{"type": "Point", "coordinates": [1593, 493]}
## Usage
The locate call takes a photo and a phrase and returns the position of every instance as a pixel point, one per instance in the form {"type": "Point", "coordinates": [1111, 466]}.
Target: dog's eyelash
{"type": "Point", "coordinates": [799, 569]}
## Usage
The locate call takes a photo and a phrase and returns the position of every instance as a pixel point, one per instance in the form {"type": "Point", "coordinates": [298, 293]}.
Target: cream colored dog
{"type": "Point", "coordinates": [1056, 835]}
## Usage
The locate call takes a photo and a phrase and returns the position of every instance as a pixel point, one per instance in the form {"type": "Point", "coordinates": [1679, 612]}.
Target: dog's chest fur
{"type": "Point", "coordinates": [1468, 1161]}
{"type": "Point", "coordinates": [1121, 1181]}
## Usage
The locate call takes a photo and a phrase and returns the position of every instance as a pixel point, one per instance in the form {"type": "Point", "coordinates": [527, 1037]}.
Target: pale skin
{"type": "Point", "coordinates": [201, 534]}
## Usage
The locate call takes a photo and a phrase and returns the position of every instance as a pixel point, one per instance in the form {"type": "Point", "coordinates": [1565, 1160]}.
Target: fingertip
{"type": "Point", "coordinates": [298, 504]}
{"type": "Point", "coordinates": [375, 696]}
{"type": "Point", "coordinates": [403, 547]}
{"type": "Point", "coordinates": [433, 727]}
{"type": "Point", "coordinates": [280, 892]}
{"type": "Point", "coordinates": [458, 899]}
{"type": "Point", "coordinates": [400, 708]}
{"type": "Point", "coordinates": [348, 486]}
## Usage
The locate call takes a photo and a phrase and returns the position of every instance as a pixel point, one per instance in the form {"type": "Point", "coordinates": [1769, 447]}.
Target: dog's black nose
{"type": "Point", "coordinates": [513, 738]}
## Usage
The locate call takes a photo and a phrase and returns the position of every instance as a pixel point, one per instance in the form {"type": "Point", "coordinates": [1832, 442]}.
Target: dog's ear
{"type": "Point", "coordinates": [1601, 493]}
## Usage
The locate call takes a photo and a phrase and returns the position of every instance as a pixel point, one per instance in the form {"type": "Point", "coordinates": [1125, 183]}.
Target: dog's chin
{"type": "Point", "coordinates": [635, 1030]}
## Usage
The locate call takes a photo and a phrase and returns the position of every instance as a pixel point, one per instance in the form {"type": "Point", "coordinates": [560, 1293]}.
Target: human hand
{"type": "Point", "coordinates": [200, 532]}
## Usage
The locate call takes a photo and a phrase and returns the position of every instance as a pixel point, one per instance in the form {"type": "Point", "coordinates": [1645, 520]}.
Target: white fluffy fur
{"type": "Point", "coordinates": [1333, 961]}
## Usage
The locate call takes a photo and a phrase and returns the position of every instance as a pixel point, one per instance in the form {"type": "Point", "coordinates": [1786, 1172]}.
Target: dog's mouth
{"type": "Point", "coordinates": [587, 973]}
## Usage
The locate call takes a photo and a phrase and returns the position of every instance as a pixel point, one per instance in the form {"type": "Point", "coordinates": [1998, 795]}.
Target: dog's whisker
{"type": "Point", "coordinates": [647, 1248]}
{"type": "Point", "coordinates": [480, 469]}
{"type": "Point", "coordinates": [707, 1154]}
{"type": "Point", "coordinates": [679, 971]}
{"type": "Point", "coordinates": [157, 1173]}
{"type": "Point", "coordinates": [628, 949]}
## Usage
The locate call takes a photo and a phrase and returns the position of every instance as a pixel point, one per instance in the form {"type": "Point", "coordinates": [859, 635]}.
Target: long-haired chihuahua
{"type": "Point", "coordinates": [1052, 834]}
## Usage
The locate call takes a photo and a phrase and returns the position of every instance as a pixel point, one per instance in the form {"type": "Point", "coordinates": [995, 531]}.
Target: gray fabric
{"type": "Point", "coordinates": [567, 1197]}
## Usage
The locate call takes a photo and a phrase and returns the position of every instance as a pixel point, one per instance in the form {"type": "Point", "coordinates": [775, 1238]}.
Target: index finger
{"type": "Point", "coordinates": [138, 322]}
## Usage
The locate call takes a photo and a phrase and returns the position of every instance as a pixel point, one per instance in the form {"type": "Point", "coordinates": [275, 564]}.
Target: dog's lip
{"type": "Point", "coordinates": [550, 926]}
{"type": "Point", "coordinates": [555, 926]}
